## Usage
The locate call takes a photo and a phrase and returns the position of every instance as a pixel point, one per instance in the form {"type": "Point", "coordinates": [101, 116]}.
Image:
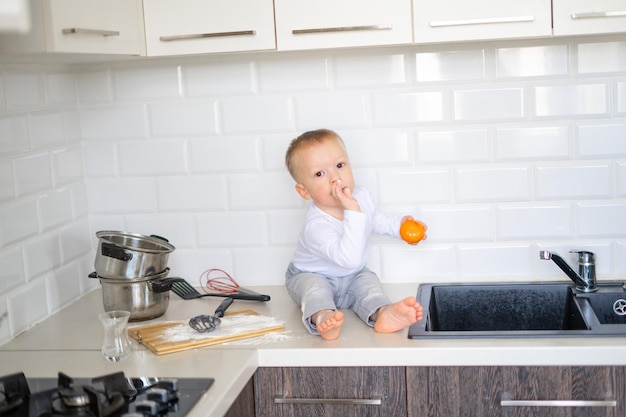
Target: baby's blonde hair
{"type": "Point", "coordinates": [305, 139]}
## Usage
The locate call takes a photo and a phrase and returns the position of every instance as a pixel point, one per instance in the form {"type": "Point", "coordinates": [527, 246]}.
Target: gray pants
{"type": "Point", "coordinates": [361, 292]}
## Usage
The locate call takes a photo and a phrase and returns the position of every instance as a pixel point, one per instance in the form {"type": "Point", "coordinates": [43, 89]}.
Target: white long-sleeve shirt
{"type": "Point", "coordinates": [332, 247]}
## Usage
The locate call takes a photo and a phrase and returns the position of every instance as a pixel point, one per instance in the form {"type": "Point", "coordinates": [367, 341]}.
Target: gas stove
{"type": "Point", "coordinates": [112, 395]}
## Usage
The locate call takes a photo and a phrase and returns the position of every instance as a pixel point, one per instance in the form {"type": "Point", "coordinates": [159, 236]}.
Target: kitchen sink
{"type": "Point", "coordinates": [512, 309]}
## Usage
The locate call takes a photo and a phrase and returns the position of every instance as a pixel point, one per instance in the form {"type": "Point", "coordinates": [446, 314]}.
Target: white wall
{"type": "Point", "coordinates": [503, 149]}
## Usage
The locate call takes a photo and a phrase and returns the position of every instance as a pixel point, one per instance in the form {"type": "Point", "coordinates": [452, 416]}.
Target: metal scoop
{"type": "Point", "coordinates": [207, 323]}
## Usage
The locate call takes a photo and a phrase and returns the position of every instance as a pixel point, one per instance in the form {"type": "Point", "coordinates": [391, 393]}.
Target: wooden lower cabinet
{"type": "Point", "coordinates": [492, 391]}
{"type": "Point", "coordinates": [480, 391]}
{"type": "Point", "coordinates": [330, 392]}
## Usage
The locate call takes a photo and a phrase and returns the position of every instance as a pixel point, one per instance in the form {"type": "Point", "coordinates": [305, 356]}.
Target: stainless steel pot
{"type": "Point", "coordinates": [145, 298]}
{"type": "Point", "coordinates": [130, 256]}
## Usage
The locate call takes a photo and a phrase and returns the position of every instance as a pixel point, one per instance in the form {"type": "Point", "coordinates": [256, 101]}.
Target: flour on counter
{"type": "Point", "coordinates": [230, 326]}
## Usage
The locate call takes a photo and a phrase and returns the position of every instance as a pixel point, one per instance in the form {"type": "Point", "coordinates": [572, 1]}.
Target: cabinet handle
{"type": "Point", "coordinates": [97, 32]}
{"type": "Point", "coordinates": [485, 21]}
{"type": "Point", "coordinates": [205, 35]}
{"type": "Point", "coordinates": [332, 401]}
{"type": "Point", "coordinates": [342, 29]}
{"type": "Point", "coordinates": [558, 403]}
{"type": "Point", "coordinates": [596, 15]}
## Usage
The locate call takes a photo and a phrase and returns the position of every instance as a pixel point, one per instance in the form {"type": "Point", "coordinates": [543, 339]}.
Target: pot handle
{"type": "Point", "coordinates": [114, 251]}
{"type": "Point", "coordinates": [93, 275]}
{"type": "Point", "coordinates": [165, 284]}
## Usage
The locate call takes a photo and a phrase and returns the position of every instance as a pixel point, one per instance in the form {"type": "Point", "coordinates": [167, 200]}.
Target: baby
{"type": "Point", "coordinates": [328, 270]}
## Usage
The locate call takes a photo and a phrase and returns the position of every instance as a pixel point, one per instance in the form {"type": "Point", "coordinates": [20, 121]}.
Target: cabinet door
{"type": "Point", "coordinates": [516, 391]}
{"type": "Point", "coordinates": [206, 26]}
{"type": "Point", "coordinates": [461, 20]}
{"type": "Point", "coordinates": [81, 26]}
{"type": "Point", "coordinates": [581, 17]}
{"type": "Point", "coordinates": [304, 24]}
{"type": "Point", "coordinates": [330, 392]}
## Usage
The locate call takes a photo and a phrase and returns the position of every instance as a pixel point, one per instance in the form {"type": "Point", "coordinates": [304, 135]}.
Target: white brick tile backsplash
{"type": "Point", "coordinates": [339, 110]}
{"type": "Point", "coordinates": [183, 118]}
{"type": "Point", "coordinates": [422, 263]}
{"type": "Point", "coordinates": [42, 254]}
{"type": "Point", "coordinates": [368, 148]}
{"type": "Point", "coordinates": [184, 193]}
{"type": "Point", "coordinates": [450, 65]}
{"type": "Point", "coordinates": [493, 184]}
{"type": "Point", "coordinates": [23, 89]}
{"type": "Point", "coordinates": [569, 100]}
{"type": "Point", "coordinates": [33, 173]}
{"type": "Point", "coordinates": [100, 159]}
{"type": "Point", "coordinates": [458, 224]}
{"type": "Point", "coordinates": [620, 105]}
{"type": "Point", "coordinates": [28, 305]}
{"type": "Point", "coordinates": [153, 157]}
{"type": "Point", "coordinates": [620, 179]}
{"type": "Point", "coordinates": [7, 187]}
{"type": "Point", "coordinates": [225, 154]}
{"type": "Point", "coordinates": [452, 146]}
{"type": "Point", "coordinates": [231, 229]}
{"type": "Point", "coordinates": [14, 134]}
{"type": "Point", "coordinates": [94, 86]}
{"type": "Point", "coordinates": [405, 107]}
{"type": "Point", "coordinates": [601, 140]}
{"type": "Point", "coordinates": [284, 75]}
{"type": "Point", "coordinates": [532, 61]}
{"type": "Point", "coordinates": [375, 70]}
{"type": "Point", "coordinates": [261, 191]}
{"type": "Point", "coordinates": [533, 143]}
{"type": "Point", "coordinates": [415, 186]}
{"type": "Point", "coordinates": [55, 208]}
{"type": "Point", "coordinates": [597, 220]}
{"type": "Point", "coordinates": [146, 82]}
{"type": "Point", "coordinates": [223, 76]}
{"type": "Point", "coordinates": [601, 57]}
{"type": "Point", "coordinates": [114, 123]}
{"type": "Point", "coordinates": [559, 181]}
{"type": "Point", "coordinates": [67, 165]}
{"type": "Point", "coordinates": [532, 222]}
{"type": "Point", "coordinates": [497, 262]}
{"type": "Point", "coordinates": [12, 271]}
{"type": "Point", "coordinates": [123, 195]}
{"type": "Point", "coordinates": [254, 115]}
{"type": "Point", "coordinates": [63, 286]}
{"type": "Point", "coordinates": [502, 148]}
{"type": "Point", "coordinates": [46, 129]}
{"type": "Point", "coordinates": [489, 104]}
{"type": "Point", "coordinates": [60, 88]}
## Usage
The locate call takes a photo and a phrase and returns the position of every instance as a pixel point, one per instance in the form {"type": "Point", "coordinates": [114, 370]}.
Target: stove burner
{"type": "Point", "coordinates": [111, 395]}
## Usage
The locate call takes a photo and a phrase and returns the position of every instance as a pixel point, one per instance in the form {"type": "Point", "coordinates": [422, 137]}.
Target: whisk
{"type": "Point", "coordinates": [218, 280]}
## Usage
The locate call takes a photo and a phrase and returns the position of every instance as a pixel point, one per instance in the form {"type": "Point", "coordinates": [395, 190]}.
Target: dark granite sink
{"type": "Point", "coordinates": [552, 309]}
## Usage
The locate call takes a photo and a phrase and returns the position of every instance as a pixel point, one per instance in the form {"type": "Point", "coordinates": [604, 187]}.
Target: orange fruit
{"type": "Point", "coordinates": [412, 231]}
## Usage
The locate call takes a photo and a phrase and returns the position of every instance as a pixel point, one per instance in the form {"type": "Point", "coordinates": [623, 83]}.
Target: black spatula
{"type": "Point", "coordinates": [186, 291]}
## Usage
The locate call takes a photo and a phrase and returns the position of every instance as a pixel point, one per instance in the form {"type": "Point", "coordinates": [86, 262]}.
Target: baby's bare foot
{"type": "Point", "coordinates": [394, 317]}
{"type": "Point", "coordinates": [328, 323]}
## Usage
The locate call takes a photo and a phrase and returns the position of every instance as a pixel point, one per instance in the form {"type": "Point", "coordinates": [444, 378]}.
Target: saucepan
{"type": "Point", "coordinates": [131, 256]}
{"type": "Point", "coordinates": [146, 298]}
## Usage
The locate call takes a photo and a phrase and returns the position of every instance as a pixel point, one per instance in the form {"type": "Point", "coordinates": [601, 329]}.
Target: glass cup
{"type": "Point", "coordinates": [116, 344]}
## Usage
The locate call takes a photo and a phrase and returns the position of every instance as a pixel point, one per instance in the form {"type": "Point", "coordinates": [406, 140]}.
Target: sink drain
{"type": "Point", "coordinates": [619, 307]}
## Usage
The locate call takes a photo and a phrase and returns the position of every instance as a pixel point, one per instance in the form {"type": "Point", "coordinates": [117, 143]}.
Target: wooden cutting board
{"type": "Point", "coordinates": [176, 336]}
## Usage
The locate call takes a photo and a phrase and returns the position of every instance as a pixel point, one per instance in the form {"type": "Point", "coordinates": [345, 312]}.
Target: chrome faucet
{"type": "Point", "coordinates": [585, 279]}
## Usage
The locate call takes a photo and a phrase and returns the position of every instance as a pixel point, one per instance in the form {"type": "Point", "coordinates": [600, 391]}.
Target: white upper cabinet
{"type": "Point", "coordinates": [462, 20]}
{"type": "Point", "coordinates": [205, 26]}
{"type": "Point", "coordinates": [305, 24]}
{"type": "Point", "coordinates": [81, 26]}
{"type": "Point", "coordinates": [583, 17]}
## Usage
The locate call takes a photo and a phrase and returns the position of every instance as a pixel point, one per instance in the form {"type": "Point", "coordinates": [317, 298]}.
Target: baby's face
{"type": "Point", "coordinates": [319, 165]}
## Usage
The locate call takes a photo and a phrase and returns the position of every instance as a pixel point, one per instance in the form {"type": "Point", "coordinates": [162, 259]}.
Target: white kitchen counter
{"type": "Point", "coordinates": [70, 342]}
